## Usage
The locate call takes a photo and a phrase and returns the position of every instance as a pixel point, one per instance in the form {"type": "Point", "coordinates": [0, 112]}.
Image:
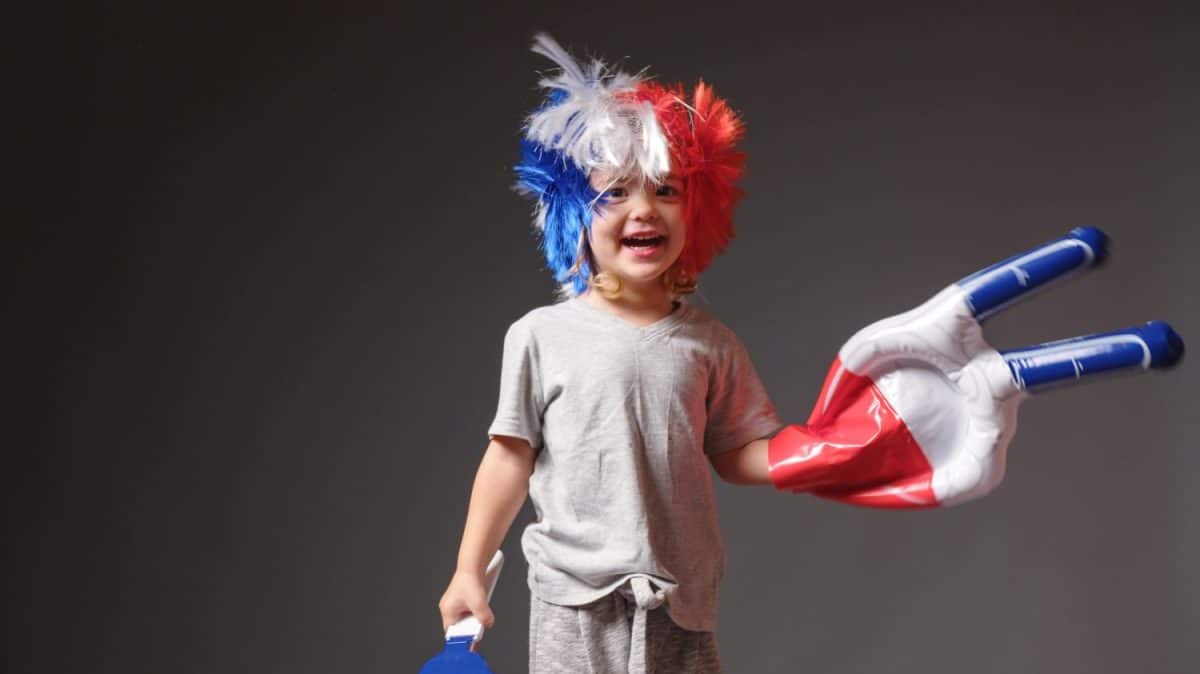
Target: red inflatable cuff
{"type": "Point", "coordinates": [855, 448]}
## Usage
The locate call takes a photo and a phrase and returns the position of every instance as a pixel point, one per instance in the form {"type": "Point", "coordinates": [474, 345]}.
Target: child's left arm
{"type": "Point", "coordinates": [740, 417]}
{"type": "Point", "coordinates": [744, 465]}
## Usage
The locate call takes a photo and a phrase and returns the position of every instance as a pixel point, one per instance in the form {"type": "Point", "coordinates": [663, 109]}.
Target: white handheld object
{"type": "Point", "coordinates": [470, 626]}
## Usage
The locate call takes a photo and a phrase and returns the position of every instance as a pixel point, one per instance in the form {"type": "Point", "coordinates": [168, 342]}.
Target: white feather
{"type": "Point", "coordinates": [539, 216]}
{"type": "Point", "coordinates": [592, 126]}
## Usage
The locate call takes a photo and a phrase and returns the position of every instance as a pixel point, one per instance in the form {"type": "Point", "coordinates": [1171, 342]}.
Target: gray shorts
{"type": "Point", "coordinates": [616, 634]}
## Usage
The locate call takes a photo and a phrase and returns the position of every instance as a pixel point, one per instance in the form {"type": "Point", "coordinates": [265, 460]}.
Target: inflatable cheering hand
{"type": "Point", "coordinates": [917, 410]}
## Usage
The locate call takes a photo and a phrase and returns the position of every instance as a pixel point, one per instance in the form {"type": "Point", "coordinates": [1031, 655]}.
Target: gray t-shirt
{"type": "Point", "coordinates": [623, 417]}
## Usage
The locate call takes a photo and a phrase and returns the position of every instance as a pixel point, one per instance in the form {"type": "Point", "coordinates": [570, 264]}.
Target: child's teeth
{"type": "Point", "coordinates": [642, 241]}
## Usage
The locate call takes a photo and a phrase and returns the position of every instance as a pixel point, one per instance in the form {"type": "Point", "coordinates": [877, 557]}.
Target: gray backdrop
{"type": "Point", "coordinates": [261, 319]}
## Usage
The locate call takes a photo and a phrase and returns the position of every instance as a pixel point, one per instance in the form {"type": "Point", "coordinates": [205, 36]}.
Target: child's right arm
{"type": "Point", "coordinates": [501, 484]}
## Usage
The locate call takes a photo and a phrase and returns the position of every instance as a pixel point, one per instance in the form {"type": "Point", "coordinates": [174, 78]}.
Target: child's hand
{"type": "Point", "coordinates": [466, 595]}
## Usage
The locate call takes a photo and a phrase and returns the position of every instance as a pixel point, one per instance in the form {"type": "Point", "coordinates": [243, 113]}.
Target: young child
{"type": "Point", "coordinates": [614, 401]}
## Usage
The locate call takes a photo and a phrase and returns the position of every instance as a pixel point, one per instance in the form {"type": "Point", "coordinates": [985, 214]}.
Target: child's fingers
{"type": "Point", "coordinates": [459, 603]}
{"type": "Point", "coordinates": [452, 611]}
{"type": "Point", "coordinates": [454, 606]}
{"type": "Point", "coordinates": [468, 596]}
{"type": "Point", "coordinates": [483, 613]}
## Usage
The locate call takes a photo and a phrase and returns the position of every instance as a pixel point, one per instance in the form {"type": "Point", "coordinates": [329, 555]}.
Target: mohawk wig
{"type": "Point", "coordinates": [597, 118]}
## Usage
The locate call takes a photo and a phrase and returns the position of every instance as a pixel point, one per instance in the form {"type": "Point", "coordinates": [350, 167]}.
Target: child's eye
{"type": "Point", "coordinates": [667, 190]}
{"type": "Point", "coordinates": [616, 193]}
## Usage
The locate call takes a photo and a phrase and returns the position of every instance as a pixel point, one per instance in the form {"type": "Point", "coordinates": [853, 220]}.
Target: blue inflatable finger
{"type": "Point", "coordinates": [1153, 345]}
{"type": "Point", "coordinates": [991, 290]}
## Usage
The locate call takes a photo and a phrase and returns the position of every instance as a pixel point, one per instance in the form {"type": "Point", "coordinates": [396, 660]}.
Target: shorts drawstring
{"type": "Point", "coordinates": [646, 598]}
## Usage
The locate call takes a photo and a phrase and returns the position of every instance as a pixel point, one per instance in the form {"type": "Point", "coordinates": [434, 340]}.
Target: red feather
{"type": "Point", "coordinates": [703, 136]}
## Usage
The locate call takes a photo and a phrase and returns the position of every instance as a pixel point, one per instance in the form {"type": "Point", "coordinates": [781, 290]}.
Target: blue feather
{"type": "Point", "coordinates": [566, 199]}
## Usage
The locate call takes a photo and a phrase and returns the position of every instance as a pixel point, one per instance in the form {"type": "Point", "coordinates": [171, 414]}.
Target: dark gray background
{"type": "Point", "coordinates": [260, 318]}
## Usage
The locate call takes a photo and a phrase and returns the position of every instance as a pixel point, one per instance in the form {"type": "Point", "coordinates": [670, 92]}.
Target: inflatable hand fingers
{"type": "Point", "coordinates": [918, 410]}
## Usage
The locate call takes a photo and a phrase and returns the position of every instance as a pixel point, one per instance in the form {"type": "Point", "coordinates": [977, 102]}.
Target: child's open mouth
{"type": "Point", "coordinates": [643, 246]}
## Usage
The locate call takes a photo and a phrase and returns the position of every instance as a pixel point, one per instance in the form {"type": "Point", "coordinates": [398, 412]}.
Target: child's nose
{"type": "Point", "coordinates": [642, 206]}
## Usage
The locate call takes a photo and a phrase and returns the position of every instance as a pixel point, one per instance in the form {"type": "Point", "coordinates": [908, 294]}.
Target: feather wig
{"type": "Point", "coordinates": [596, 118]}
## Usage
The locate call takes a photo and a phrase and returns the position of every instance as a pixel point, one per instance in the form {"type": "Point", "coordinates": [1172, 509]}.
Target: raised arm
{"type": "Point", "coordinates": [501, 484]}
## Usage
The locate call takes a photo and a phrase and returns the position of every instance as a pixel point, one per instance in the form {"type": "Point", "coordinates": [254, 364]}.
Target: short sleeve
{"type": "Point", "coordinates": [519, 411]}
{"type": "Point", "coordinates": [739, 410]}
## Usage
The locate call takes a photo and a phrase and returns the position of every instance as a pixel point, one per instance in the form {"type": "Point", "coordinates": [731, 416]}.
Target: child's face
{"type": "Point", "coordinates": [638, 233]}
